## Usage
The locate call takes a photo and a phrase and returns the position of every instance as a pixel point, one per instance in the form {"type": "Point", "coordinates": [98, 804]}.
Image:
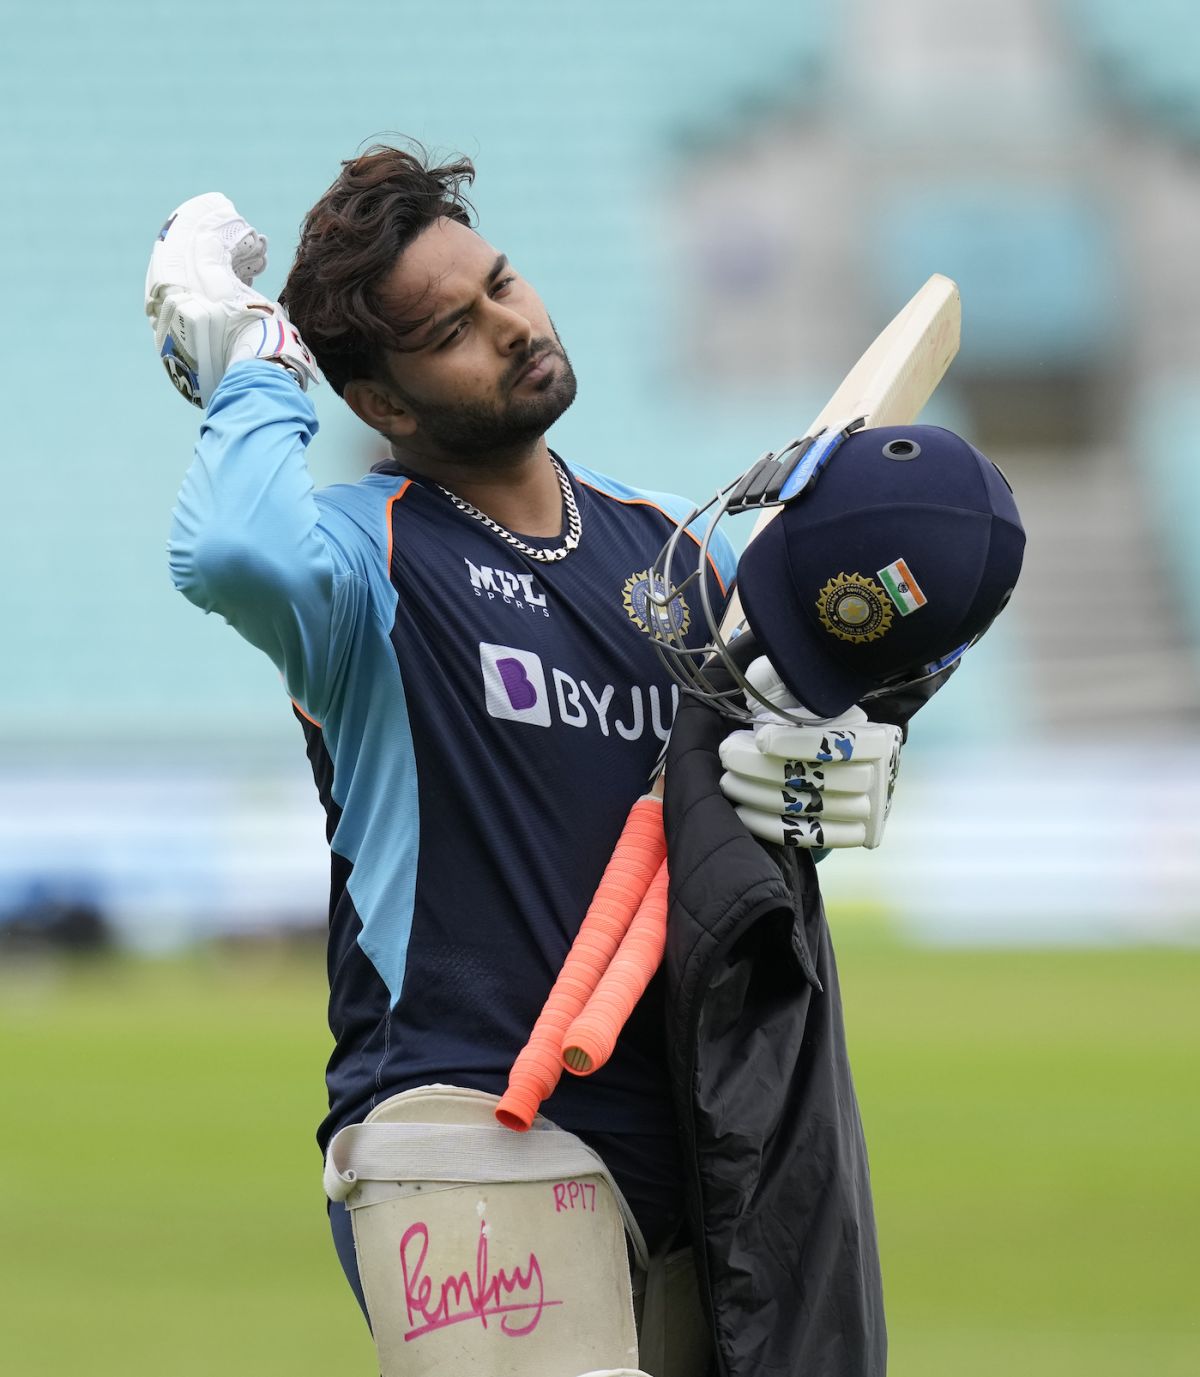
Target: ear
{"type": "Point", "coordinates": [380, 407]}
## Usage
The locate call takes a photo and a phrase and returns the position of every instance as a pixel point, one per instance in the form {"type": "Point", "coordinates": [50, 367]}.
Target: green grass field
{"type": "Point", "coordinates": [1033, 1123]}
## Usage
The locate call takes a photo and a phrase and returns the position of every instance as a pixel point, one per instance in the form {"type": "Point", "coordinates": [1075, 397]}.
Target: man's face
{"type": "Point", "coordinates": [487, 372]}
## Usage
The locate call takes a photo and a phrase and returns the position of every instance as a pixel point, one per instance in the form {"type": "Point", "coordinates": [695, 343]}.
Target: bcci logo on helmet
{"type": "Point", "coordinates": [650, 611]}
{"type": "Point", "coordinates": [853, 607]}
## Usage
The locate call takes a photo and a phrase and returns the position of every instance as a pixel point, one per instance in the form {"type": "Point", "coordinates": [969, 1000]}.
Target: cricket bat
{"type": "Point", "coordinates": [607, 972]}
{"type": "Point", "coordinates": [890, 383]}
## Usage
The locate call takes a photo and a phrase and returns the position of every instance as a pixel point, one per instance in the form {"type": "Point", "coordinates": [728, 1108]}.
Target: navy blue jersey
{"type": "Point", "coordinates": [478, 722]}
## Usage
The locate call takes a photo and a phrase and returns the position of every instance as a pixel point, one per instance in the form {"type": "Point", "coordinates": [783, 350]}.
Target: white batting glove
{"type": "Point", "coordinates": [201, 303]}
{"type": "Point", "coordinates": [828, 785]}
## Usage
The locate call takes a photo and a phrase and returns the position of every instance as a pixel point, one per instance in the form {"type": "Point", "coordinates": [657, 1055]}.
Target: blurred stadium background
{"type": "Point", "coordinates": [720, 204]}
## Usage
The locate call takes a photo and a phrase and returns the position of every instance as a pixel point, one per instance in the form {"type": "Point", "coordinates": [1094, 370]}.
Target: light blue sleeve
{"type": "Point", "coordinates": [248, 539]}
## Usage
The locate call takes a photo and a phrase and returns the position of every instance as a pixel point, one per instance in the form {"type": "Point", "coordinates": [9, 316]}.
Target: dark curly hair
{"type": "Point", "coordinates": [350, 241]}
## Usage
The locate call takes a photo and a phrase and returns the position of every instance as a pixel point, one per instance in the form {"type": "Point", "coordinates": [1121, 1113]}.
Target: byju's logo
{"type": "Point", "coordinates": [519, 688]}
{"type": "Point", "coordinates": [514, 684]}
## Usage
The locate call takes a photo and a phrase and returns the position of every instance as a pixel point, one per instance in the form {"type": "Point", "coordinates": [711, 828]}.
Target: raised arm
{"type": "Point", "coordinates": [246, 540]}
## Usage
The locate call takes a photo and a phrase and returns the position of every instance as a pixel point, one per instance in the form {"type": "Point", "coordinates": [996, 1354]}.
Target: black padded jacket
{"type": "Point", "coordinates": [779, 1194]}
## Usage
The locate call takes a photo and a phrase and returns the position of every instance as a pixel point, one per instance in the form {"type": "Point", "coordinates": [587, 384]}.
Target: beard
{"type": "Point", "coordinates": [473, 431]}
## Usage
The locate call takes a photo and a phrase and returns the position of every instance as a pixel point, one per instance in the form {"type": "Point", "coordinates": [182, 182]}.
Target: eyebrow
{"type": "Point", "coordinates": [435, 328]}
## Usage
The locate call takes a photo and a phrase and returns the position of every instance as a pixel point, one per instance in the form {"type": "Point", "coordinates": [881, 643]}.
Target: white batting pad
{"type": "Point", "coordinates": [480, 1250]}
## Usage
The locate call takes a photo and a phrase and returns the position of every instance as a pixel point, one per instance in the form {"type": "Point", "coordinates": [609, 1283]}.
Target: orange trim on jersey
{"type": "Point", "coordinates": [395, 497]}
{"type": "Point", "coordinates": [305, 715]}
{"type": "Point", "coordinates": [645, 502]}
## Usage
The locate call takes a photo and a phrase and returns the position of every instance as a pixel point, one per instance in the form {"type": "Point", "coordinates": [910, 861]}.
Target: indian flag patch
{"type": "Point", "coordinates": [901, 587]}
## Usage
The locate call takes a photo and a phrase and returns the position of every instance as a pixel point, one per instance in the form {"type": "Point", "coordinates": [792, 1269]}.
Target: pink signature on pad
{"type": "Point", "coordinates": [510, 1294]}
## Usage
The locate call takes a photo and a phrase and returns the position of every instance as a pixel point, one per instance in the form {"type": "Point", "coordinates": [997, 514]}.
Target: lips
{"type": "Point", "coordinates": [536, 369]}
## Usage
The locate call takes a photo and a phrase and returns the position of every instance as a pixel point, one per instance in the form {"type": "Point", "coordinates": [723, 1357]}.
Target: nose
{"type": "Point", "coordinates": [513, 330]}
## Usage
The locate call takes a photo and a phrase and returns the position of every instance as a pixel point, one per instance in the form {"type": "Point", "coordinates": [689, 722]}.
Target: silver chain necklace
{"type": "Point", "coordinates": [574, 521]}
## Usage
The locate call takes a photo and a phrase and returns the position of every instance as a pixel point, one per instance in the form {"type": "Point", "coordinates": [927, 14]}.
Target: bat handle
{"type": "Point", "coordinates": [640, 851]}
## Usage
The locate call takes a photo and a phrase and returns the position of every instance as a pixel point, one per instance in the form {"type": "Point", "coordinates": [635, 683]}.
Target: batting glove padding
{"type": "Point", "coordinates": [823, 785]}
{"type": "Point", "coordinates": [202, 306]}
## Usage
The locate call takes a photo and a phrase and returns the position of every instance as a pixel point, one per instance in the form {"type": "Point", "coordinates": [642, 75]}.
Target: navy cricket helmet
{"type": "Point", "coordinates": [897, 553]}
{"type": "Point", "coordinates": [893, 551]}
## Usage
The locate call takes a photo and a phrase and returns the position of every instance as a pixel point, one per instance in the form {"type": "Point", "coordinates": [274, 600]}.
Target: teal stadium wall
{"type": "Point", "coordinates": [579, 116]}
{"type": "Point", "coordinates": [113, 114]}
{"type": "Point", "coordinates": [120, 705]}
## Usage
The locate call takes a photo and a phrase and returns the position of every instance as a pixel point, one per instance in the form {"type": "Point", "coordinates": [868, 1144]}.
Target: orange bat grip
{"type": "Point", "coordinates": [590, 1040]}
{"type": "Point", "coordinates": [639, 853]}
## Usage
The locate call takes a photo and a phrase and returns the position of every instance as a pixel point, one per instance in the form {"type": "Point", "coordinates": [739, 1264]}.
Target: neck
{"type": "Point", "coordinates": [517, 489]}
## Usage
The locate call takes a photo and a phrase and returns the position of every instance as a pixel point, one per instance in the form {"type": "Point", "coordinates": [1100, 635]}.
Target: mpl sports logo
{"type": "Point", "coordinates": [516, 688]}
{"type": "Point", "coordinates": [514, 590]}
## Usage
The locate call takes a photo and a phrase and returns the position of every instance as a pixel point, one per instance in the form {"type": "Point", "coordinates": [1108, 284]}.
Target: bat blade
{"type": "Point", "coordinates": [891, 382]}
{"type": "Point", "coordinates": [903, 365]}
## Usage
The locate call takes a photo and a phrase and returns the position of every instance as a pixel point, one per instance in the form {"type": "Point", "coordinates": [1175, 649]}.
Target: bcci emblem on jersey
{"type": "Point", "coordinates": [647, 615]}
